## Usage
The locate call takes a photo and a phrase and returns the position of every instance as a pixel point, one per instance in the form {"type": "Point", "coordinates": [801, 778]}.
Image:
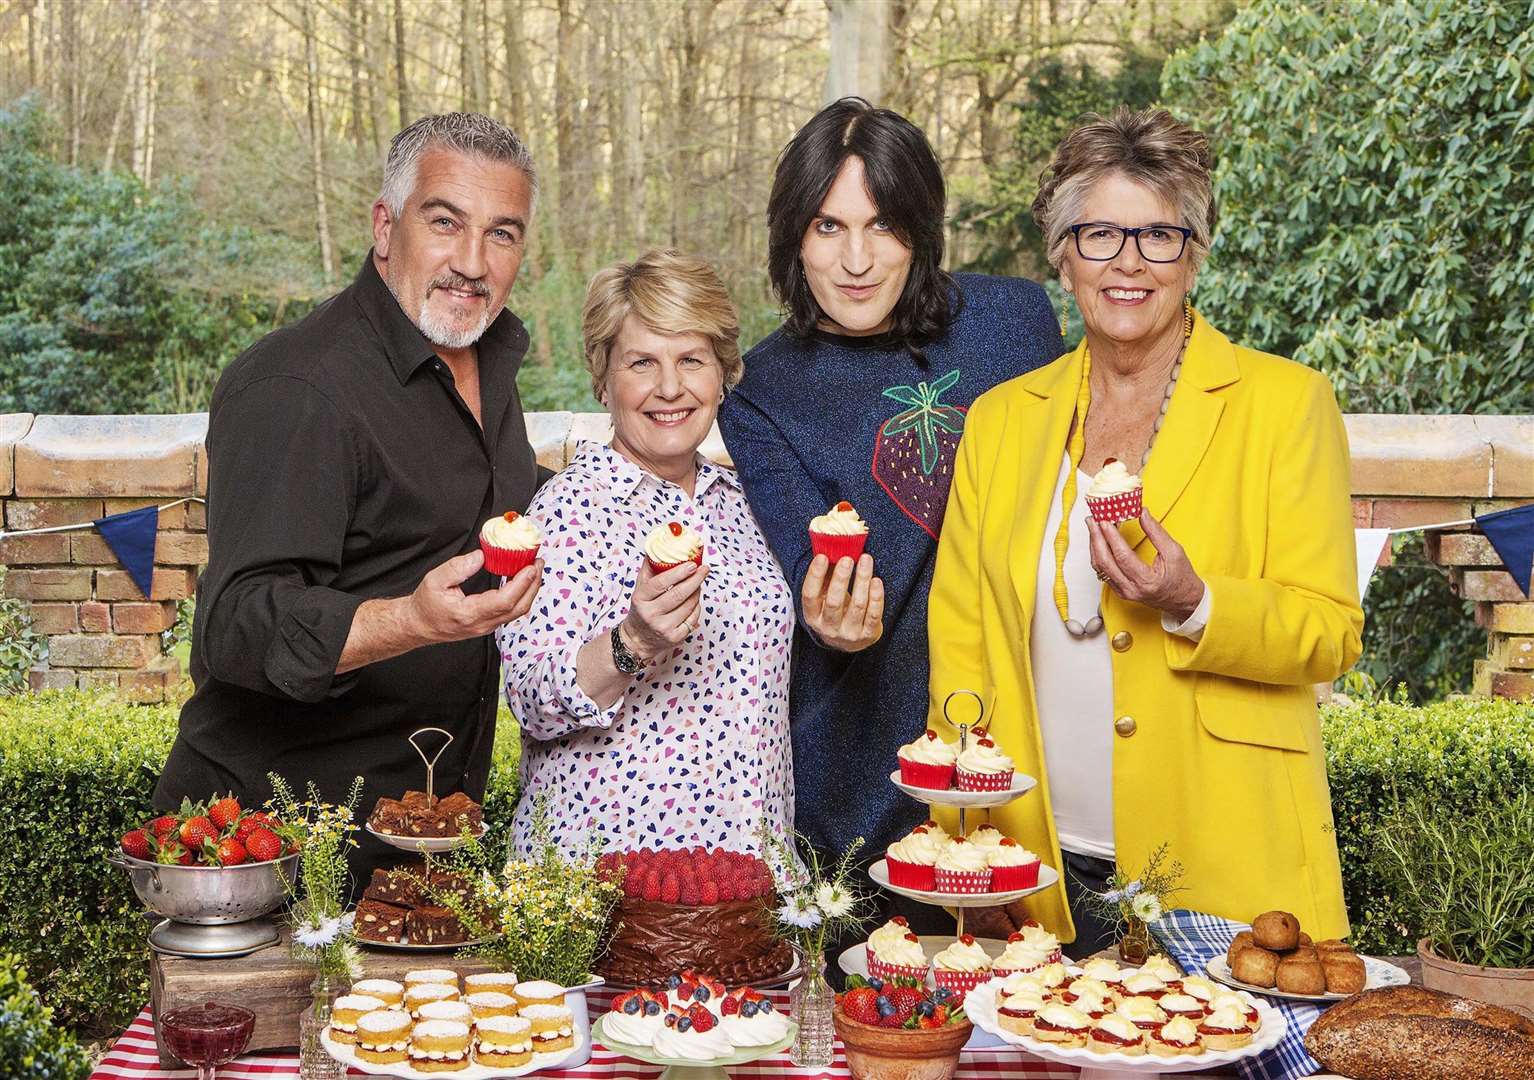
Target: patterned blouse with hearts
{"type": "Point", "coordinates": [697, 751]}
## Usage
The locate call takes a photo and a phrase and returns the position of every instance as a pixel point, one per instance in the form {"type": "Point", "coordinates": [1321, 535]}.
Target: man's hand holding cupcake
{"type": "Point", "coordinates": [843, 601]}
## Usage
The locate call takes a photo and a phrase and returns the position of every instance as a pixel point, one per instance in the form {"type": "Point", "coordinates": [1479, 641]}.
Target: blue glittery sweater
{"type": "Point", "coordinates": [829, 418]}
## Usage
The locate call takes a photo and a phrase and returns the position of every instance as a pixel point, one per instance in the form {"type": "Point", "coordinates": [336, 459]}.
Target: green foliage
{"type": "Point", "coordinates": [116, 299]}
{"type": "Point", "coordinates": [1467, 757]}
{"type": "Point", "coordinates": [76, 771]}
{"type": "Point", "coordinates": [20, 646]}
{"type": "Point", "coordinates": [1374, 182]}
{"type": "Point", "coordinates": [1418, 635]}
{"type": "Point", "coordinates": [31, 1047]}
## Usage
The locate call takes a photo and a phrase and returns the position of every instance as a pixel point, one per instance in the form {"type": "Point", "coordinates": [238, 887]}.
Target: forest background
{"type": "Point", "coordinates": [182, 176]}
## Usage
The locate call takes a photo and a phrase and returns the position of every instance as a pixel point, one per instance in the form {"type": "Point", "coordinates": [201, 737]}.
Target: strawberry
{"type": "Point", "coordinates": [263, 845]}
{"type": "Point", "coordinates": [709, 892]}
{"type": "Point", "coordinates": [651, 888]}
{"type": "Point", "coordinates": [197, 829]}
{"type": "Point", "coordinates": [250, 823]}
{"type": "Point", "coordinates": [702, 1019]}
{"type": "Point", "coordinates": [230, 852]}
{"type": "Point", "coordinates": [224, 812]}
{"type": "Point", "coordinates": [137, 845]}
{"type": "Point", "coordinates": [905, 1000]}
{"type": "Point", "coordinates": [914, 451]}
{"type": "Point", "coordinates": [162, 826]}
{"type": "Point", "coordinates": [862, 1005]}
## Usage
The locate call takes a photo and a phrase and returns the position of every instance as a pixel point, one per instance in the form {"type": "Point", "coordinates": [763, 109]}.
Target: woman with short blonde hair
{"type": "Point", "coordinates": [1154, 672]}
{"type": "Point", "coordinates": [653, 702]}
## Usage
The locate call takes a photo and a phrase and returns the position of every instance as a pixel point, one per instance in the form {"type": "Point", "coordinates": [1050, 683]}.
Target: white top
{"type": "Point", "coordinates": [1073, 684]}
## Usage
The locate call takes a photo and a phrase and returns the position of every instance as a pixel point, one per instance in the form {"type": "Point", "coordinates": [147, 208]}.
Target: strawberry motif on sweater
{"type": "Point", "coordinates": [914, 451]}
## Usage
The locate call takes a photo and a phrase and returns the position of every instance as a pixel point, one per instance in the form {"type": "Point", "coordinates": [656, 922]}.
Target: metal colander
{"type": "Point", "coordinates": [210, 895]}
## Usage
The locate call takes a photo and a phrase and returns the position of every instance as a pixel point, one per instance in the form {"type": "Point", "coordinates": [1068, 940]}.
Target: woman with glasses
{"type": "Point", "coordinates": [1156, 675]}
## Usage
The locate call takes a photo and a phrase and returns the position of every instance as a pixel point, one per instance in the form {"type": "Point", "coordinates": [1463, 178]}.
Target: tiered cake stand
{"type": "Point", "coordinates": [965, 801]}
{"type": "Point", "coordinates": [425, 846]}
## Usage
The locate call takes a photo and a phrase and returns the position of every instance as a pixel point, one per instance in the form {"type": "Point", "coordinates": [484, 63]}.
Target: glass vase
{"type": "Point", "coordinates": [1135, 945]}
{"type": "Point", "coordinates": [811, 1005]}
{"type": "Point", "coordinates": [314, 1061]}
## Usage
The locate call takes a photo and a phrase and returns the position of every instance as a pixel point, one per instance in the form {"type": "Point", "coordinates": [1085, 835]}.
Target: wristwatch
{"type": "Point", "coordinates": [623, 659]}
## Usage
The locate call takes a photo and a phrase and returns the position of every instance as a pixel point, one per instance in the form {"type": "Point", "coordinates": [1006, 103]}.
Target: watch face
{"type": "Point", "coordinates": [623, 660]}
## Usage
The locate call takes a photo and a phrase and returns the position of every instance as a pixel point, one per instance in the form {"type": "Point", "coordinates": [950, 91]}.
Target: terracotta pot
{"type": "Point", "coordinates": [1512, 988]}
{"type": "Point", "coordinates": [875, 1053]}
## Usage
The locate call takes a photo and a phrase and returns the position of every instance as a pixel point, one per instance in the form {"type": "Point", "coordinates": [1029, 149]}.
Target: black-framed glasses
{"type": "Point", "coordinates": [1099, 241]}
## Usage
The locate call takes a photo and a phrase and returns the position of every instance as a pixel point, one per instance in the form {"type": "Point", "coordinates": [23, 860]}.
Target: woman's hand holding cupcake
{"type": "Point", "coordinates": [672, 544]}
{"type": "Point", "coordinates": [664, 610]}
{"type": "Point", "coordinates": [1169, 584]}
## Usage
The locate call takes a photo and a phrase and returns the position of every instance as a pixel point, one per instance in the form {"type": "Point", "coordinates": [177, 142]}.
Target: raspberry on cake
{"type": "Point", "coordinates": [553, 1027]}
{"type": "Point", "coordinates": [503, 1041]}
{"type": "Point", "coordinates": [383, 1037]}
{"type": "Point", "coordinates": [439, 1046]}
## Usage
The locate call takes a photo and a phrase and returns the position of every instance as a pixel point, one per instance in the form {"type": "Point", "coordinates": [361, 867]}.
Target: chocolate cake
{"type": "Point", "coordinates": [731, 940]}
{"type": "Point", "coordinates": [396, 903]}
{"type": "Point", "coordinates": [418, 815]}
{"type": "Point", "coordinates": [431, 925]}
{"type": "Point", "coordinates": [377, 921]}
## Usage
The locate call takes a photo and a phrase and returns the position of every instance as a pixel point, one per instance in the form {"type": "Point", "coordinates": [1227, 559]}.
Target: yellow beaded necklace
{"type": "Point", "coordinates": [1076, 449]}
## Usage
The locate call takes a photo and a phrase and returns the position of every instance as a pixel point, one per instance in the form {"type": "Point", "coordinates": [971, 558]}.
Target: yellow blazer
{"type": "Point", "coordinates": [1250, 474]}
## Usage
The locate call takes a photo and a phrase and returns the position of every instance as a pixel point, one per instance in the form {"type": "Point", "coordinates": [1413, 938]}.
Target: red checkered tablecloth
{"type": "Point", "coordinates": [133, 1057]}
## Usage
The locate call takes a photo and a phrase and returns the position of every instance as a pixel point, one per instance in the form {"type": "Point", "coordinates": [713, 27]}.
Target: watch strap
{"type": "Point", "coordinates": [624, 659]}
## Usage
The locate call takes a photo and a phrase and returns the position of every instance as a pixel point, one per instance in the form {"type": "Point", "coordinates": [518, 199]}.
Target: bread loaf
{"type": "Point", "coordinates": [1408, 1033]}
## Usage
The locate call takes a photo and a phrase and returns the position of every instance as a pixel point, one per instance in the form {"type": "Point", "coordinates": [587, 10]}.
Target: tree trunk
{"type": "Point", "coordinates": [354, 62]}
{"type": "Point", "coordinates": [859, 50]}
{"type": "Point", "coordinates": [466, 80]}
{"type": "Point", "coordinates": [316, 143]}
{"type": "Point", "coordinates": [516, 62]}
{"type": "Point", "coordinates": [32, 42]}
{"type": "Point", "coordinates": [401, 84]}
{"type": "Point", "coordinates": [564, 113]}
{"type": "Point", "coordinates": [141, 81]}
{"type": "Point", "coordinates": [75, 106]}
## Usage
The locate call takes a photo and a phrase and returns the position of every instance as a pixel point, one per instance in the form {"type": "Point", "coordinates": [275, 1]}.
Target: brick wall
{"type": "Point", "coordinates": [103, 632]}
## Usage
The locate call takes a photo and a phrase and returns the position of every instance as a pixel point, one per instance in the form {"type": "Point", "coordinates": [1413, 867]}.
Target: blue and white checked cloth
{"type": "Point", "coordinates": [1194, 939]}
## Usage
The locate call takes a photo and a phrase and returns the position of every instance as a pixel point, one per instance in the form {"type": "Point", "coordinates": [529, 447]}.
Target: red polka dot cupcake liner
{"type": "Point", "coordinates": [984, 781]}
{"type": "Point", "coordinates": [880, 969]}
{"type": "Point", "coordinates": [963, 881]}
{"type": "Point", "coordinates": [661, 568]}
{"type": "Point", "coordinates": [960, 982]}
{"type": "Point", "coordinates": [507, 562]}
{"type": "Point", "coordinates": [1113, 509]}
{"type": "Point", "coordinates": [1010, 878]}
{"type": "Point", "coordinates": [836, 548]}
{"type": "Point", "coordinates": [909, 875]}
{"type": "Point", "coordinates": [925, 775]}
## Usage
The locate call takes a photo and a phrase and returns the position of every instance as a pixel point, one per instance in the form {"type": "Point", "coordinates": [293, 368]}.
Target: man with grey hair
{"type": "Point", "coordinates": [353, 458]}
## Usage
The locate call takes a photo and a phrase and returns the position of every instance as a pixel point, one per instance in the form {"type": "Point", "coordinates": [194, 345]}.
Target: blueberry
{"type": "Point", "coordinates": [942, 993]}
{"type": "Point", "coordinates": [683, 1023]}
{"type": "Point", "coordinates": [877, 984]}
{"type": "Point", "coordinates": [651, 1008]}
{"type": "Point", "coordinates": [700, 994]}
{"type": "Point", "coordinates": [886, 1007]}
{"type": "Point", "coordinates": [764, 1006]}
{"type": "Point", "coordinates": [748, 1009]}
{"type": "Point", "coordinates": [632, 1006]}
{"type": "Point", "coordinates": [673, 982]}
{"type": "Point", "coordinates": [925, 1008]}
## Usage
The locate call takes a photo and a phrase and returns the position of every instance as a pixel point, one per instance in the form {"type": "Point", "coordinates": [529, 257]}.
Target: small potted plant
{"type": "Point", "coordinates": [1137, 902]}
{"type": "Point", "coordinates": [900, 1029]}
{"type": "Point", "coordinates": [1467, 879]}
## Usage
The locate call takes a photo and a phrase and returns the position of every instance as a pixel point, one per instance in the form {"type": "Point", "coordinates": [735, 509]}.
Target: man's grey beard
{"type": "Point", "coordinates": [446, 335]}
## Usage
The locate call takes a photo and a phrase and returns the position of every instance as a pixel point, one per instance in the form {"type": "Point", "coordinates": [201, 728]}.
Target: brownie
{"type": "Point", "coordinates": [377, 921]}
{"type": "Point", "coordinates": [445, 881]}
{"type": "Point", "coordinates": [389, 816]}
{"type": "Point", "coordinates": [417, 815]}
{"type": "Point", "coordinates": [433, 925]}
{"type": "Point", "coordinates": [396, 885]}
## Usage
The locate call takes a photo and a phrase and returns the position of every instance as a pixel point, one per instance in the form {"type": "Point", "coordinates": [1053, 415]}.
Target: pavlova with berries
{"type": "Point", "coordinates": [694, 1019]}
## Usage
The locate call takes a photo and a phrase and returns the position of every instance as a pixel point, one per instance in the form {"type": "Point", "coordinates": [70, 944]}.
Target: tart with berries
{"type": "Point", "coordinates": [900, 1027]}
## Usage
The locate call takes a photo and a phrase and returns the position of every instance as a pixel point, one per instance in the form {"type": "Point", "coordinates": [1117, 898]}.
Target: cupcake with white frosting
{"type": "Point", "coordinates": [510, 541]}
{"type": "Point", "coordinates": [671, 545]}
{"type": "Point", "coordinates": [1115, 494]}
{"type": "Point", "coordinates": [963, 868]}
{"type": "Point", "coordinates": [1012, 866]}
{"type": "Point", "coordinates": [962, 966]}
{"type": "Point", "coordinates": [1020, 955]}
{"type": "Point", "coordinates": [928, 761]}
{"type": "Point", "coordinates": [987, 836]}
{"type": "Point", "coordinates": [912, 860]}
{"type": "Point", "coordinates": [982, 766]}
{"type": "Point", "coordinates": [838, 533]}
{"type": "Point", "coordinates": [897, 957]}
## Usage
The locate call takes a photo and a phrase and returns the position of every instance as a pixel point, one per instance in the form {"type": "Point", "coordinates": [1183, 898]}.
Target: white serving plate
{"type": "Point", "coordinates": [980, 1007]}
{"type": "Point", "coordinates": [648, 1055]}
{"type": "Point", "coordinates": [1377, 973]}
{"type": "Point", "coordinates": [347, 1054]}
{"type": "Point", "coordinates": [854, 961]}
{"type": "Point", "coordinates": [435, 845]}
{"type": "Point", "coordinates": [408, 947]}
{"type": "Point", "coordinates": [880, 873]}
{"type": "Point", "coordinates": [1021, 783]}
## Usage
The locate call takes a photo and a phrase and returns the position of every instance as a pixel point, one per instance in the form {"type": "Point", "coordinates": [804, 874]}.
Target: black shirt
{"type": "Point", "coordinates": [343, 466]}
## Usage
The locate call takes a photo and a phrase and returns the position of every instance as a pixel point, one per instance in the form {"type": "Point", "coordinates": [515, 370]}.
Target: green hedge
{"type": "Point", "coordinates": [31, 1046]}
{"type": "Point", "coordinates": [1462, 754]}
{"type": "Point", "coordinates": [76, 771]}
